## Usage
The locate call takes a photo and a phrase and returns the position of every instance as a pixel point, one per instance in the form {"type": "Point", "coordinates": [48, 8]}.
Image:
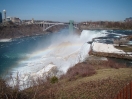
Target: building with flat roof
{"type": "Point", "coordinates": [13, 19]}
{"type": "Point", "coordinates": [8, 19]}
{"type": "Point", "coordinates": [128, 19]}
{"type": "Point", "coordinates": [0, 17]}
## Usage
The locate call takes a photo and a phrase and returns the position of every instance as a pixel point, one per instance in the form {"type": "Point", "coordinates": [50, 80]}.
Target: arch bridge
{"type": "Point", "coordinates": [48, 25]}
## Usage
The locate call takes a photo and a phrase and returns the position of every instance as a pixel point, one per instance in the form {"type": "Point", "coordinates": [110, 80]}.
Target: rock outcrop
{"type": "Point", "coordinates": [14, 31]}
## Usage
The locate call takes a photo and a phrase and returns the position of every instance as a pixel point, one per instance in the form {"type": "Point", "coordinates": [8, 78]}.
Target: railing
{"type": "Point", "coordinates": [126, 92]}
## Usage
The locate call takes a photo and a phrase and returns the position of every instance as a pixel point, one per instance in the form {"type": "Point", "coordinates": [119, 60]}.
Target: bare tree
{"type": "Point", "coordinates": [121, 41]}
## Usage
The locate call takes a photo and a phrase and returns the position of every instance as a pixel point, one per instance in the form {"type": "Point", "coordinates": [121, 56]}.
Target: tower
{"type": "Point", "coordinates": [4, 11]}
{"type": "Point", "coordinates": [71, 28]}
{"type": "Point", "coordinates": [32, 21]}
{"type": "Point", "coordinates": [0, 17]}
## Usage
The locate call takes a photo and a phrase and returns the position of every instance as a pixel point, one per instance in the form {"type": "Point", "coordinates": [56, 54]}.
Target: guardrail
{"type": "Point", "coordinates": [126, 92]}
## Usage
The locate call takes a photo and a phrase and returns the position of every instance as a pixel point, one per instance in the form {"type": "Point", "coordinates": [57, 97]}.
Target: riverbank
{"type": "Point", "coordinates": [102, 28]}
{"type": "Point", "coordinates": [84, 80]}
{"type": "Point", "coordinates": [107, 25]}
{"type": "Point", "coordinates": [17, 31]}
{"type": "Point", "coordinates": [108, 50]}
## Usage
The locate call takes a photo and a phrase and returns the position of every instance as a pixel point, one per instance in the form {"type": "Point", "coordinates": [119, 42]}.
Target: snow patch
{"type": "Point", "coordinates": [5, 40]}
{"type": "Point", "coordinates": [107, 48]}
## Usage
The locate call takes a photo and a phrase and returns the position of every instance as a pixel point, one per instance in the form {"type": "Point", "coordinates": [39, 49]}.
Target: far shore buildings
{"type": "Point", "coordinates": [13, 19]}
{"type": "Point", "coordinates": [28, 21]}
{"type": "Point", "coordinates": [128, 19]}
{"type": "Point", "coordinates": [8, 19]}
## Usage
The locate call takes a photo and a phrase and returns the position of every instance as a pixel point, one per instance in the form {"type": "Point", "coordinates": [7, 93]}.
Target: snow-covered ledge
{"type": "Point", "coordinates": [106, 48]}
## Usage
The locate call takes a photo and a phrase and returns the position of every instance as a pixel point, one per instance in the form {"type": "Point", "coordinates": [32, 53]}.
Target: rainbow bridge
{"type": "Point", "coordinates": [48, 25]}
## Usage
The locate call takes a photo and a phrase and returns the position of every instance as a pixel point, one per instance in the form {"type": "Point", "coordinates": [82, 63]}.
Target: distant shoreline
{"type": "Point", "coordinates": [18, 31]}
{"type": "Point", "coordinates": [104, 29]}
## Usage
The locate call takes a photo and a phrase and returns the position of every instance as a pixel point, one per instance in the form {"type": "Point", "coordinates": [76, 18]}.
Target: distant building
{"type": "Point", "coordinates": [29, 21]}
{"type": "Point", "coordinates": [15, 20]}
{"type": "Point", "coordinates": [4, 11]}
{"type": "Point", "coordinates": [0, 17]}
{"type": "Point", "coordinates": [8, 19]}
{"type": "Point", "coordinates": [26, 22]}
{"type": "Point", "coordinates": [32, 21]}
{"type": "Point", "coordinates": [128, 19]}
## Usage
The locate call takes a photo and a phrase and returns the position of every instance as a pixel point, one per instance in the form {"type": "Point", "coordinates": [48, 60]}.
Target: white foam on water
{"type": "Point", "coordinates": [64, 52]}
{"type": "Point", "coordinates": [5, 40]}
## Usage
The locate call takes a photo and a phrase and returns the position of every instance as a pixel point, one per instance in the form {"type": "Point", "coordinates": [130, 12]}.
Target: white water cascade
{"type": "Point", "coordinates": [63, 53]}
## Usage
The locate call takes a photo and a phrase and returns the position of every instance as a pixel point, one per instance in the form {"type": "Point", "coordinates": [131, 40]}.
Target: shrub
{"type": "Point", "coordinates": [113, 64]}
{"type": "Point", "coordinates": [121, 41]}
{"type": "Point", "coordinates": [6, 92]}
{"type": "Point", "coordinates": [80, 70]}
{"type": "Point", "coordinates": [54, 79]}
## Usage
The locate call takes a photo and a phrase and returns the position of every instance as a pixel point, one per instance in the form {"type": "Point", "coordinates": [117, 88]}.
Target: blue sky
{"type": "Point", "coordinates": [65, 10]}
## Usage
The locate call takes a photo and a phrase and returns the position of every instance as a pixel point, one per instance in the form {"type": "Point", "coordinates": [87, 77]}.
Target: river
{"type": "Point", "coordinates": [32, 56]}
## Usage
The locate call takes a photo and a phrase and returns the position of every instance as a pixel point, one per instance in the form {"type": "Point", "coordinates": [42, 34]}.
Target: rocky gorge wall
{"type": "Point", "coordinates": [15, 31]}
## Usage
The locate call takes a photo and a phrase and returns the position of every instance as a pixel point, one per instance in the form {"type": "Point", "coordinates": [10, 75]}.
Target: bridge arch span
{"type": "Point", "coordinates": [46, 25]}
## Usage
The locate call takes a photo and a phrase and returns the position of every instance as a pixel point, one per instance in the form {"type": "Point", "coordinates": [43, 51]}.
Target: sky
{"type": "Point", "coordinates": [65, 10]}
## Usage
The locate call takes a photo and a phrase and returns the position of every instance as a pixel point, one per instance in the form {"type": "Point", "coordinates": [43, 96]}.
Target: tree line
{"type": "Point", "coordinates": [108, 24]}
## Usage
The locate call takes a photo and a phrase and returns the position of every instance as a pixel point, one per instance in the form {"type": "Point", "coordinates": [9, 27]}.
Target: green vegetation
{"type": "Point", "coordinates": [92, 79]}
{"type": "Point", "coordinates": [54, 79]}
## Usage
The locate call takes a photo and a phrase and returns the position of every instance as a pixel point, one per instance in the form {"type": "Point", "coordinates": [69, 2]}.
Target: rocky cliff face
{"type": "Point", "coordinates": [14, 31]}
